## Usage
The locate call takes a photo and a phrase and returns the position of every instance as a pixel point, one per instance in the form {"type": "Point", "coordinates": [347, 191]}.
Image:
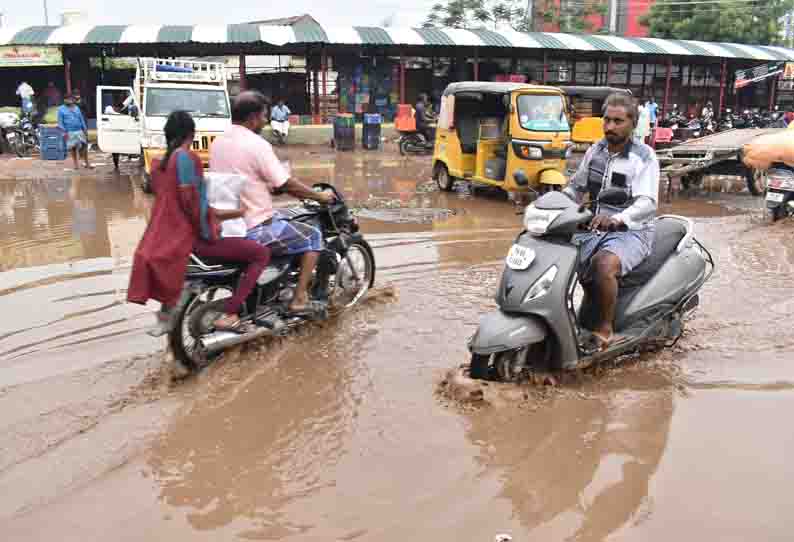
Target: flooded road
{"type": "Point", "coordinates": [338, 433]}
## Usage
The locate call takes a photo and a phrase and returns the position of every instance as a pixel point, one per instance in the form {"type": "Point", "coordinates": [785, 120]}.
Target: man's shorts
{"type": "Point", "coordinates": [631, 247]}
{"type": "Point", "coordinates": [286, 238]}
{"type": "Point", "coordinates": [76, 140]}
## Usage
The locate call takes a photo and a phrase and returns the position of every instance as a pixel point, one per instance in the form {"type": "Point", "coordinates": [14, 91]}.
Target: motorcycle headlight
{"type": "Point", "coordinates": [537, 221]}
{"type": "Point", "coordinates": [542, 285]}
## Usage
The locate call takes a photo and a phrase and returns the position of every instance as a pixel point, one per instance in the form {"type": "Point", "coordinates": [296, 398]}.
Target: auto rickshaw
{"type": "Point", "coordinates": [489, 132]}
{"type": "Point", "coordinates": [586, 105]}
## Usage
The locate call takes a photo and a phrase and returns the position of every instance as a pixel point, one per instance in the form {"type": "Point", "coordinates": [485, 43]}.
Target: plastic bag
{"type": "Point", "coordinates": [765, 150]}
{"type": "Point", "coordinates": [223, 192]}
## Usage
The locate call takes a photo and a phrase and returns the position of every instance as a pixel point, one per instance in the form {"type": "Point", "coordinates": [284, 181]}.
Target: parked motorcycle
{"type": "Point", "coordinates": [537, 325]}
{"type": "Point", "coordinates": [415, 143]}
{"type": "Point", "coordinates": [345, 272]}
{"type": "Point", "coordinates": [780, 191]}
{"type": "Point", "coordinates": [726, 121]}
{"type": "Point", "coordinates": [21, 135]}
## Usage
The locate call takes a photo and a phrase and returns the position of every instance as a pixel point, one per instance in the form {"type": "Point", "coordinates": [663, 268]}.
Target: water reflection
{"type": "Point", "coordinates": [60, 220]}
{"type": "Point", "coordinates": [578, 469]}
{"type": "Point", "coordinates": [267, 438]}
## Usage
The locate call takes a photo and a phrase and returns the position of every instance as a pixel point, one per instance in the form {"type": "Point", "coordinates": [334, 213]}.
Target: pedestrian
{"type": "Point", "coordinates": [53, 95]}
{"type": "Point", "coordinates": [26, 93]}
{"type": "Point", "coordinates": [643, 129]}
{"type": "Point", "coordinates": [75, 131]}
{"type": "Point", "coordinates": [182, 221]}
{"type": "Point", "coordinates": [788, 117]}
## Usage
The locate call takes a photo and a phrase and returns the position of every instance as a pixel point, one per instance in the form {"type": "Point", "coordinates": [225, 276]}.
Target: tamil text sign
{"type": "Point", "coordinates": [22, 56]}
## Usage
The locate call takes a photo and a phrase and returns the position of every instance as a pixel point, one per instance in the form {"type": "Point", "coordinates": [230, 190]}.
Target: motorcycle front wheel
{"type": "Point", "coordinates": [346, 288]}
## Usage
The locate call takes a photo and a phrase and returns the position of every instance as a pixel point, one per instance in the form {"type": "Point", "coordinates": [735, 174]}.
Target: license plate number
{"type": "Point", "coordinates": [775, 197]}
{"type": "Point", "coordinates": [520, 258]}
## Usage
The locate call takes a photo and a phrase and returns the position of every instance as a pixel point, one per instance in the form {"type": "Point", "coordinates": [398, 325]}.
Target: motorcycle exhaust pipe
{"type": "Point", "coordinates": [221, 340]}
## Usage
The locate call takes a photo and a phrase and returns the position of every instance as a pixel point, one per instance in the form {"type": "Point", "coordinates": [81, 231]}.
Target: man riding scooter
{"type": "Point", "coordinates": [619, 238]}
{"type": "Point", "coordinates": [424, 119]}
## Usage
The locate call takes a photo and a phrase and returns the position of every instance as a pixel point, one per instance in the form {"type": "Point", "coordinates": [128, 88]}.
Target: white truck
{"type": "Point", "coordinates": [130, 120]}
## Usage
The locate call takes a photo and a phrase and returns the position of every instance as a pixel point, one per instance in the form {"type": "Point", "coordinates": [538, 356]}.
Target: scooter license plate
{"type": "Point", "coordinates": [520, 258]}
{"type": "Point", "coordinates": [774, 197]}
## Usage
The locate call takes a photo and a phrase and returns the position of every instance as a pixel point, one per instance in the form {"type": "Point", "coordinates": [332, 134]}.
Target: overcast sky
{"type": "Point", "coordinates": [335, 12]}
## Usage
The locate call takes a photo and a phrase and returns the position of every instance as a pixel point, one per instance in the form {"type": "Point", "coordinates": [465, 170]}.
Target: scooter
{"type": "Point", "coordinates": [414, 142]}
{"type": "Point", "coordinates": [537, 325]}
{"type": "Point", "coordinates": [780, 191]}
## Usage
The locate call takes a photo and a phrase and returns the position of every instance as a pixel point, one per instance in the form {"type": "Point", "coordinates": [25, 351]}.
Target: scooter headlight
{"type": "Point", "coordinates": [542, 285]}
{"type": "Point", "coordinates": [537, 221]}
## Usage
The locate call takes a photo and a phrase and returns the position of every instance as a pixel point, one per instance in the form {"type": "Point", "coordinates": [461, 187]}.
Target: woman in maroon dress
{"type": "Point", "coordinates": [183, 222]}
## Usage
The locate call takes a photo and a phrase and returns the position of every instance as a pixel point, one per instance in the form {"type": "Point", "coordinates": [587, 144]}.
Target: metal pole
{"type": "Point", "coordinates": [402, 79]}
{"type": "Point", "coordinates": [644, 77]}
{"type": "Point", "coordinates": [243, 82]}
{"type": "Point", "coordinates": [67, 72]}
{"type": "Point", "coordinates": [46, 14]}
{"type": "Point", "coordinates": [325, 72]}
{"type": "Point", "coordinates": [723, 77]}
{"type": "Point", "coordinates": [667, 85]}
{"type": "Point", "coordinates": [476, 65]}
{"type": "Point", "coordinates": [545, 67]}
{"type": "Point", "coordinates": [609, 69]}
{"type": "Point", "coordinates": [773, 93]}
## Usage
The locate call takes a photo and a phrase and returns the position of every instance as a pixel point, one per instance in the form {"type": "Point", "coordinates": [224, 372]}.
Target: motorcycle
{"type": "Point", "coordinates": [344, 274]}
{"type": "Point", "coordinates": [415, 143]}
{"type": "Point", "coordinates": [780, 191]}
{"type": "Point", "coordinates": [726, 122]}
{"type": "Point", "coordinates": [23, 136]}
{"type": "Point", "coordinates": [537, 325]}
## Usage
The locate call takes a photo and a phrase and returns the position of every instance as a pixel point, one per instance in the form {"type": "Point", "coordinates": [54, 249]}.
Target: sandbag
{"type": "Point", "coordinates": [765, 150]}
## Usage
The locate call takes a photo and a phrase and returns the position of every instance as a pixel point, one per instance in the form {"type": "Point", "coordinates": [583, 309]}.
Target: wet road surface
{"type": "Point", "coordinates": [338, 433]}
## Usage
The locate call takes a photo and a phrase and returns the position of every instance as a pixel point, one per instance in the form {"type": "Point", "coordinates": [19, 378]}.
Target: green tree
{"type": "Point", "coordinates": [754, 22]}
{"type": "Point", "coordinates": [574, 16]}
{"type": "Point", "coordinates": [478, 14]}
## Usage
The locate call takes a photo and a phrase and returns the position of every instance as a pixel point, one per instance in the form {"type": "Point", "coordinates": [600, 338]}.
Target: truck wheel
{"type": "Point", "coordinates": [778, 213]}
{"type": "Point", "coordinates": [756, 181]}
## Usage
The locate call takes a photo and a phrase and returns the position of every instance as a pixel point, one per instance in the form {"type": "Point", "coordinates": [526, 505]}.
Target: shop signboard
{"type": "Point", "coordinates": [23, 56]}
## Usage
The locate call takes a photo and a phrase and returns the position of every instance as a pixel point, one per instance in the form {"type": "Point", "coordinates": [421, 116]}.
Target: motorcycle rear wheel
{"type": "Point", "coordinates": [195, 318]}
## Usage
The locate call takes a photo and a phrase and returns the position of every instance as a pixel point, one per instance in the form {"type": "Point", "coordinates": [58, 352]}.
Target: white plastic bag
{"type": "Point", "coordinates": [223, 192]}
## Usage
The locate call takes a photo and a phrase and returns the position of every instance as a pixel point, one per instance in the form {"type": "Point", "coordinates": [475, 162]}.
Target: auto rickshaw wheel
{"type": "Point", "coordinates": [444, 181]}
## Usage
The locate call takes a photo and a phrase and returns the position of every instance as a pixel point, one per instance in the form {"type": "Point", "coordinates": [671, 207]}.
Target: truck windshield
{"type": "Point", "coordinates": [542, 113]}
{"type": "Point", "coordinates": [160, 102]}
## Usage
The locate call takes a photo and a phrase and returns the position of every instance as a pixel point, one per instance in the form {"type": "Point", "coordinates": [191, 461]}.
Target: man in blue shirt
{"type": "Point", "coordinates": [75, 131]}
{"type": "Point", "coordinates": [279, 121]}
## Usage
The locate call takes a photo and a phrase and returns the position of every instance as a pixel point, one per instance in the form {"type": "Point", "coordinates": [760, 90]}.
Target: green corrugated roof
{"type": "Point", "coordinates": [434, 36]}
{"type": "Point", "coordinates": [694, 48]}
{"type": "Point", "coordinates": [491, 38]}
{"type": "Point", "coordinates": [309, 32]}
{"type": "Point", "coordinates": [649, 46]}
{"type": "Point", "coordinates": [372, 35]}
{"type": "Point", "coordinates": [243, 33]}
{"type": "Point", "coordinates": [601, 45]}
{"type": "Point", "coordinates": [549, 42]}
{"type": "Point", "coordinates": [105, 34]}
{"type": "Point", "coordinates": [175, 34]}
{"type": "Point", "coordinates": [33, 35]}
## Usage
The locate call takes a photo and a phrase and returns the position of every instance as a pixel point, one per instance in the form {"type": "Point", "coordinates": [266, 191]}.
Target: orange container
{"type": "Point", "coordinates": [405, 120]}
{"type": "Point", "coordinates": [317, 119]}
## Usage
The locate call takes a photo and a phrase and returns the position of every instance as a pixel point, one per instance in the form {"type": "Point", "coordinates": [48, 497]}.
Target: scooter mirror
{"type": "Point", "coordinates": [521, 178]}
{"type": "Point", "coordinates": [613, 196]}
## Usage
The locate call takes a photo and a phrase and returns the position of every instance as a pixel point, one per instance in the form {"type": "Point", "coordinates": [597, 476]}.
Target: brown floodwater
{"type": "Point", "coordinates": [338, 433]}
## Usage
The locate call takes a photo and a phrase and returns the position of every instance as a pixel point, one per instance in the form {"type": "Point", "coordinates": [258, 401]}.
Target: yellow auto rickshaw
{"type": "Point", "coordinates": [586, 105]}
{"type": "Point", "coordinates": [487, 133]}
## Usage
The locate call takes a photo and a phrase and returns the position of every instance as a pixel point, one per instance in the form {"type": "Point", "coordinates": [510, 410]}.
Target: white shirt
{"type": "Point", "coordinates": [25, 91]}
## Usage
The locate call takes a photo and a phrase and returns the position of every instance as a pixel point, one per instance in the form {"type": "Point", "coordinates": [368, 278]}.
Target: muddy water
{"type": "Point", "coordinates": [337, 434]}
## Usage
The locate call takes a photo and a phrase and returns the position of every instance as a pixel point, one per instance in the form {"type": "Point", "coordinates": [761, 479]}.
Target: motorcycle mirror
{"type": "Point", "coordinates": [613, 196]}
{"type": "Point", "coordinates": [521, 178]}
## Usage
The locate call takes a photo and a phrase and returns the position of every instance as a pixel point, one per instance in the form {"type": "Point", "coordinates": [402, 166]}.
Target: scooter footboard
{"type": "Point", "coordinates": [499, 332]}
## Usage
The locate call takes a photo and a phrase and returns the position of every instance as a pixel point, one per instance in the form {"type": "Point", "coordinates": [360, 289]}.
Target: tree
{"type": "Point", "coordinates": [567, 15]}
{"type": "Point", "coordinates": [478, 14]}
{"type": "Point", "coordinates": [754, 22]}
{"type": "Point", "coordinates": [574, 16]}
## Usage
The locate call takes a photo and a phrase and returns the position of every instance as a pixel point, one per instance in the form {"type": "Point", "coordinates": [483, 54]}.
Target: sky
{"type": "Point", "coordinates": [183, 12]}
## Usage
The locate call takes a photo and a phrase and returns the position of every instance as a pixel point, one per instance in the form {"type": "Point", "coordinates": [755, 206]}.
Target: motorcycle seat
{"type": "Point", "coordinates": [669, 233]}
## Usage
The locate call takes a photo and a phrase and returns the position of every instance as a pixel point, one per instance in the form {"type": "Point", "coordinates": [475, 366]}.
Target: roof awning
{"type": "Point", "coordinates": [298, 34]}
